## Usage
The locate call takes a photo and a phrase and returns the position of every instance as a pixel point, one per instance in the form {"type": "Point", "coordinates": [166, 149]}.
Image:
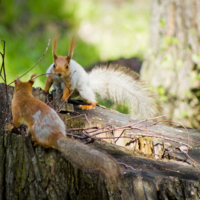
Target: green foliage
{"type": "Point", "coordinates": [26, 30]}
{"type": "Point", "coordinates": [109, 104]}
{"type": "Point", "coordinates": [196, 58]}
{"type": "Point", "coordinates": [105, 29]}
{"type": "Point", "coordinates": [194, 77]}
{"type": "Point", "coordinates": [182, 114]}
{"type": "Point", "coordinates": [162, 22]}
{"type": "Point", "coordinates": [198, 94]}
{"type": "Point", "coordinates": [168, 41]}
{"type": "Point", "coordinates": [162, 93]}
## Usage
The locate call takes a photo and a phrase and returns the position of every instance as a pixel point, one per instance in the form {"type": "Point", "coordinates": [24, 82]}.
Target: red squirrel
{"type": "Point", "coordinates": [61, 68]}
{"type": "Point", "coordinates": [117, 83]}
{"type": "Point", "coordinates": [48, 129]}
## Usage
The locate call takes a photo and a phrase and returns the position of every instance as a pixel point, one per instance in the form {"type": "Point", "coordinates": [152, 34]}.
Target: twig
{"type": "Point", "coordinates": [130, 125]}
{"type": "Point", "coordinates": [4, 79]}
{"type": "Point", "coordinates": [58, 110]}
{"type": "Point", "coordinates": [80, 116]}
{"type": "Point", "coordinates": [1, 94]}
{"type": "Point", "coordinates": [119, 136]}
{"type": "Point", "coordinates": [149, 119]}
{"type": "Point", "coordinates": [65, 101]}
{"type": "Point", "coordinates": [77, 129]}
{"type": "Point", "coordinates": [87, 119]}
{"type": "Point", "coordinates": [182, 126]}
{"type": "Point", "coordinates": [102, 128]}
{"type": "Point", "coordinates": [160, 136]}
{"type": "Point", "coordinates": [191, 158]}
{"type": "Point", "coordinates": [127, 166]}
{"type": "Point", "coordinates": [36, 63]}
{"type": "Point", "coordinates": [188, 139]}
{"type": "Point", "coordinates": [74, 117]}
{"type": "Point", "coordinates": [52, 74]}
{"type": "Point", "coordinates": [3, 61]}
{"type": "Point", "coordinates": [109, 138]}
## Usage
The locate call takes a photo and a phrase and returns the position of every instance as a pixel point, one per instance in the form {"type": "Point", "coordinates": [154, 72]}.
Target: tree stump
{"type": "Point", "coordinates": [28, 172]}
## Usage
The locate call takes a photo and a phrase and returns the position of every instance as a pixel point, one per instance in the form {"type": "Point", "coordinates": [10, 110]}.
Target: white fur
{"type": "Point", "coordinates": [57, 82]}
{"type": "Point", "coordinates": [110, 84]}
{"type": "Point", "coordinates": [119, 87]}
{"type": "Point", "coordinates": [79, 80]}
{"type": "Point", "coordinates": [47, 124]}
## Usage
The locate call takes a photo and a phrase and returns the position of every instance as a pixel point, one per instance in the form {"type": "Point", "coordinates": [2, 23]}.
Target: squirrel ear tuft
{"type": "Point", "coordinates": [31, 79]}
{"type": "Point", "coordinates": [17, 81]}
{"type": "Point", "coordinates": [55, 40]}
{"type": "Point", "coordinates": [72, 45]}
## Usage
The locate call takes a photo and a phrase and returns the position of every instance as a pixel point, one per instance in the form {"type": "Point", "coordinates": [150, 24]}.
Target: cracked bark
{"type": "Point", "coordinates": [28, 172]}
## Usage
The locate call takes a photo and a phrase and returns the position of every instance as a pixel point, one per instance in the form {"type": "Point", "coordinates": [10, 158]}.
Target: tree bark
{"type": "Point", "coordinates": [28, 172]}
{"type": "Point", "coordinates": [173, 61]}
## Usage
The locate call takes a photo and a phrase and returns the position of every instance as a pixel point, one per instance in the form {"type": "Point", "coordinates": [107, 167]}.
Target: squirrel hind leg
{"type": "Point", "coordinates": [89, 97]}
{"type": "Point", "coordinates": [90, 105]}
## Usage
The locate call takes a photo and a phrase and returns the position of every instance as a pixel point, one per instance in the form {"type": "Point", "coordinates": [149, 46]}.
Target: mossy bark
{"type": "Point", "coordinates": [39, 173]}
{"type": "Point", "coordinates": [28, 172]}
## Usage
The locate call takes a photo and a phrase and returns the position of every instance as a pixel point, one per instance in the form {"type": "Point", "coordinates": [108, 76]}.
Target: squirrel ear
{"type": "Point", "coordinates": [72, 45]}
{"type": "Point", "coordinates": [55, 40]}
{"type": "Point", "coordinates": [17, 81]}
{"type": "Point", "coordinates": [31, 79]}
{"type": "Point", "coordinates": [68, 58]}
{"type": "Point", "coordinates": [54, 56]}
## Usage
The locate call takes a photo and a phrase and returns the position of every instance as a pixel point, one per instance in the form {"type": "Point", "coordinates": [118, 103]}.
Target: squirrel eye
{"type": "Point", "coordinates": [67, 67]}
{"type": "Point", "coordinates": [53, 65]}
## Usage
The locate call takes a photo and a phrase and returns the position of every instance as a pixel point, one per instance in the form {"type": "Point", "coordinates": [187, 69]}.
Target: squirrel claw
{"type": "Point", "coordinates": [45, 91]}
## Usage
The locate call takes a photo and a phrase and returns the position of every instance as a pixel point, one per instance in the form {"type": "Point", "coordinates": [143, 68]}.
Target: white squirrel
{"type": "Point", "coordinates": [117, 83]}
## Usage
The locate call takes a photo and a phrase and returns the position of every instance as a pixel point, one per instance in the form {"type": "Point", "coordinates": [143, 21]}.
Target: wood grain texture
{"type": "Point", "coordinates": [28, 172]}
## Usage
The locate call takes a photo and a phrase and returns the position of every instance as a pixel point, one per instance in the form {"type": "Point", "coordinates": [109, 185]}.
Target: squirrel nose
{"type": "Point", "coordinates": [59, 74]}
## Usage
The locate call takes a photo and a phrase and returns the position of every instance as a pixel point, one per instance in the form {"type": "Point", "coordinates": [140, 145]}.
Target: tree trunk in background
{"type": "Point", "coordinates": [173, 59]}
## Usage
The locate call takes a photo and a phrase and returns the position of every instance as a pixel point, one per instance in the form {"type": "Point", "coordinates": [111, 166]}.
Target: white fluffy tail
{"type": "Point", "coordinates": [120, 84]}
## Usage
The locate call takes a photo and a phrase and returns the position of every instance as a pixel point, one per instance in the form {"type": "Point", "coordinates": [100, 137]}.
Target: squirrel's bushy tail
{"type": "Point", "coordinates": [120, 84]}
{"type": "Point", "coordinates": [88, 158]}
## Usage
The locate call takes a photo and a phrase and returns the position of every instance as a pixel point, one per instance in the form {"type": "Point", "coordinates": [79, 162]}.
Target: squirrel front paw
{"type": "Point", "coordinates": [64, 99]}
{"type": "Point", "coordinates": [45, 91]}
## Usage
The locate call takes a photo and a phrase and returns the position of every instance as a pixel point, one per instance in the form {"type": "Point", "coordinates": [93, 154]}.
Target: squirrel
{"type": "Point", "coordinates": [47, 129]}
{"type": "Point", "coordinates": [116, 83]}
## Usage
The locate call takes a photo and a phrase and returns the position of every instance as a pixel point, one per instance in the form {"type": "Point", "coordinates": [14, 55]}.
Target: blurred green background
{"type": "Point", "coordinates": [105, 30]}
